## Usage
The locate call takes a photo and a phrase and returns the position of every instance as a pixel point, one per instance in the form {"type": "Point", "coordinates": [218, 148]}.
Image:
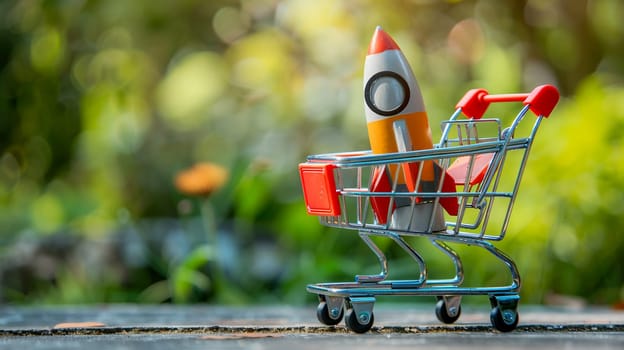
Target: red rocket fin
{"type": "Point", "coordinates": [381, 205]}
{"type": "Point", "coordinates": [449, 203]}
{"type": "Point", "coordinates": [448, 186]}
{"type": "Point", "coordinates": [411, 174]}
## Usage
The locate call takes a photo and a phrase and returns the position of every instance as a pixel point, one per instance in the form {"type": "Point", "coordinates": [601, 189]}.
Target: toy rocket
{"type": "Point", "coordinates": [393, 100]}
{"type": "Point", "coordinates": [397, 122]}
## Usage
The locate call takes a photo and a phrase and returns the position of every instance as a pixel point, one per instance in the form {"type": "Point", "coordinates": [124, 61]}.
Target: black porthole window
{"type": "Point", "coordinates": [386, 93]}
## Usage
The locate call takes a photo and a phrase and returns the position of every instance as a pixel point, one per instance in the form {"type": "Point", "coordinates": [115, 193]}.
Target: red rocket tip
{"type": "Point", "coordinates": [381, 42]}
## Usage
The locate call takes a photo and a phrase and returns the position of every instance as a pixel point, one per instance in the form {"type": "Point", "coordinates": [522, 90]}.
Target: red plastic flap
{"type": "Point", "coordinates": [319, 189]}
{"type": "Point", "coordinates": [459, 169]}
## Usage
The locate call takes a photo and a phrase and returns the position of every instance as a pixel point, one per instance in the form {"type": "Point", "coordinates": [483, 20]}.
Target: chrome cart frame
{"type": "Point", "coordinates": [340, 189]}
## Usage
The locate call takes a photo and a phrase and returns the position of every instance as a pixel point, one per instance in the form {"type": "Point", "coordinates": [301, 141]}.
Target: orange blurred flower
{"type": "Point", "coordinates": [201, 179]}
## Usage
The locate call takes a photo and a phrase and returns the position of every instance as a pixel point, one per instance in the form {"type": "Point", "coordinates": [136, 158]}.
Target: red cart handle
{"type": "Point", "coordinates": [541, 101]}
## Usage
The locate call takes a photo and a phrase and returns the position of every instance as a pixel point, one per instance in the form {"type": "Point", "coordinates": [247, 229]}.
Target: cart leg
{"type": "Point", "coordinates": [504, 314]}
{"type": "Point", "coordinates": [422, 279]}
{"type": "Point", "coordinates": [380, 256]}
{"type": "Point", "coordinates": [459, 268]}
{"type": "Point", "coordinates": [513, 269]}
{"type": "Point", "coordinates": [384, 262]}
{"type": "Point", "coordinates": [359, 316]}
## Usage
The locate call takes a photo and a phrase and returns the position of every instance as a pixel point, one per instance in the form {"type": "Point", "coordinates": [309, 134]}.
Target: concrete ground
{"type": "Point", "coordinates": [397, 326]}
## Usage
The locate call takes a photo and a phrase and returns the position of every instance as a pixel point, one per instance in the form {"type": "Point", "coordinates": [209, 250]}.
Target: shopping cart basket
{"type": "Point", "coordinates": [341, 189]}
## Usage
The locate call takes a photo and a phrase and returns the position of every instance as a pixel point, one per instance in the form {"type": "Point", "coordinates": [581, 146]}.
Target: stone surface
{"type": "Point", "coordinates": [397, 326]}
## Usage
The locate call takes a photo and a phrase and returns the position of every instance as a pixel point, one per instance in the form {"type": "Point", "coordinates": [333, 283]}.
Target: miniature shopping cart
{"type": "Point", "coordinates": [475, 153]}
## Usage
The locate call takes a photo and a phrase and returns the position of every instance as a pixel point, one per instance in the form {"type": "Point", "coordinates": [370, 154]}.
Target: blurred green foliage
{"type": "Point", "coordinates": [102, 103]}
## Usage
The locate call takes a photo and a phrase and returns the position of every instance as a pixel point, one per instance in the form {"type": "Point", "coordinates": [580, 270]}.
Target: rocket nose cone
{"type": "Point", "coordinates": [381, 42]}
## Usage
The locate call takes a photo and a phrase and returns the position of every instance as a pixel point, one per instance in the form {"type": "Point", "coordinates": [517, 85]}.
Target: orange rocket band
{"type": "Point", "coordinates": [417, 120]}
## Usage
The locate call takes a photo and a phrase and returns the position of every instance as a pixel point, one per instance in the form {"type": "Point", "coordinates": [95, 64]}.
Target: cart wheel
{"type": "Point", "coordinates": [505, 320]}
{"type": "Point", "coordinates": [361, 324]}
{"type": "Point", "coordinates": [443, 314]}
{"type": "Point", "coordinates": [322, 313]}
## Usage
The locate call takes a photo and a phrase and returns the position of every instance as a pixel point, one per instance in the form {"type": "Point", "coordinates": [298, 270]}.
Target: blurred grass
{"type": "Point", "coordinates": [102, 103]}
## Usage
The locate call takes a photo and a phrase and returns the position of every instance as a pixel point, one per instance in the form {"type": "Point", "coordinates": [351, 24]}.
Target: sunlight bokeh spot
{"type": "Point", "coordinates": [190, 87]}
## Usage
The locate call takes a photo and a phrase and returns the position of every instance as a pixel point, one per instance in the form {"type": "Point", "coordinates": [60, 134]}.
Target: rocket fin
{"type": "Point", "coordinates": [381, 205]}
{"type": "Point", "coordinates": [448, 186]}
{"type": "Point", "coordinates": [449, 204]}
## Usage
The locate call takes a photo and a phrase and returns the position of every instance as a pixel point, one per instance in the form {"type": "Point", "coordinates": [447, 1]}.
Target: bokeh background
{"type": "Point", "coordinates": [149, 148]}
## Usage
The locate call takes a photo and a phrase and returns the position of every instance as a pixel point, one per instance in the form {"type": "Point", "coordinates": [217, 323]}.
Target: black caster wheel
{"type": "Point", "coordinates": [505, 320]}
{"type": "Point", "coordinates": [443, 314]}
{"type": "Point", "coordinates": [323, 315]}
{"type": "Point", "coordinates": [359, 324]}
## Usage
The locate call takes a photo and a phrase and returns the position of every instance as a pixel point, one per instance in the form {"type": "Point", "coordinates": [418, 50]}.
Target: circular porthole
{"type": "Point", "coordinates": [386, 93]}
